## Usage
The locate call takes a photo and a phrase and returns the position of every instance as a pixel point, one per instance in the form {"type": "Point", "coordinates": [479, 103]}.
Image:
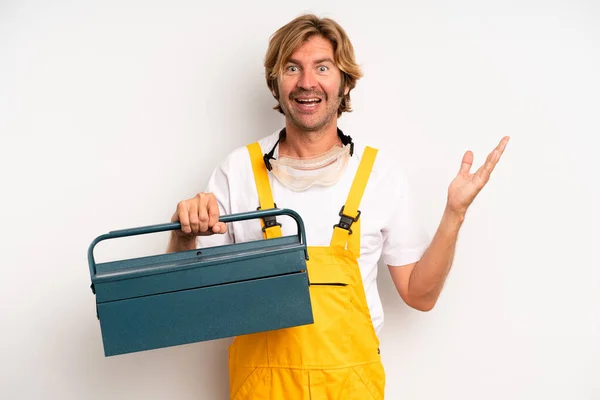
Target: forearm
{"type": "Point", "coordinates": [430, 272]}
{"type": "Point", "coordinates": [180, 243]}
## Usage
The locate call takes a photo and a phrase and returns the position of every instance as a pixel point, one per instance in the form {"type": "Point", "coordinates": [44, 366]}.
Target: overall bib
{"type": "Point", "coordinates": [337, 357]}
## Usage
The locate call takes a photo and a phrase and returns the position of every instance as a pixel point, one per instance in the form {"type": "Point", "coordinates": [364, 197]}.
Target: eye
{"type": "Point", "coordinates": [292, 68]}
{"type": "Point", "coordinates": [323, 68]}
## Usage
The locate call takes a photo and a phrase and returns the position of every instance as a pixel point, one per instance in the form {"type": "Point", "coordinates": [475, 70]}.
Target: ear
{"type": "Point", "coordinates": [346, 91]}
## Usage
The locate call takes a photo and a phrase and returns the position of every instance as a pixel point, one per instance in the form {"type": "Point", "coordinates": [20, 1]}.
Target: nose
{"type": "Point", "coordinates": [307, 79]}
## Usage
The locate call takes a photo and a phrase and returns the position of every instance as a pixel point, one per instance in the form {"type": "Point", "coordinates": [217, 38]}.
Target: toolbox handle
{"type": "Point", "coordinates": [176, 225]}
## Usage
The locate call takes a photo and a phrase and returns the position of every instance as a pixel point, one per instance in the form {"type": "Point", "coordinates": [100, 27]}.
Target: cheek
{"type": "Point", "coordinates": [333, 90]}
{"type": "Point", "coordinates": [285, 88]}
{"type": "Point", "coordinates": [333, 87]}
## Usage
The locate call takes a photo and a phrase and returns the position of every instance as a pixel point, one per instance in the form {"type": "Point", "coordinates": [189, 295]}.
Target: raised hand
{"type": "Point", "coordinates": [465, 187]}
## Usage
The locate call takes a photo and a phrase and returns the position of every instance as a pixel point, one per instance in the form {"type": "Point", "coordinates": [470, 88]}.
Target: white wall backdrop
{"type": "Point", "coordinates": [113, 111]}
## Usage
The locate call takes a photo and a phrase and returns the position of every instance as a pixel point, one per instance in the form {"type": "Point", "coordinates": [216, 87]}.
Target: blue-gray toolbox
{"type": "Point", "coordinates": [204, 294]}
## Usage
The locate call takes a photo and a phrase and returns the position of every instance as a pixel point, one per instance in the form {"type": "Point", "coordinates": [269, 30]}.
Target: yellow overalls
{"type": "Point", "coordinates": [337, 357]}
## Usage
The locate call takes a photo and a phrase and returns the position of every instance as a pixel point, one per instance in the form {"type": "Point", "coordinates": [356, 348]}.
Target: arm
{"type": "Point", "coordinates": [420, 284]}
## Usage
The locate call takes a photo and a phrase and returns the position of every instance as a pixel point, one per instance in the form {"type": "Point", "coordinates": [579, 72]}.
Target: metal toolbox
{"type": "Point", "coordinates": [204, 294]}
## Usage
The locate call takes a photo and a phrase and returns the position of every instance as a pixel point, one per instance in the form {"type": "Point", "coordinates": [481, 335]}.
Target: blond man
{"type": "Point", "coordinates": [314, 168]}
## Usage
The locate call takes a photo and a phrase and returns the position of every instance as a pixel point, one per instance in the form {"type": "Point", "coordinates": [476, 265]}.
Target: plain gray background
{"type": "Point", "coordinates": [113, 111]}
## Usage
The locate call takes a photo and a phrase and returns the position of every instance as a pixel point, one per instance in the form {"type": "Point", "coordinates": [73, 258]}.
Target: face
{"type": "Point", "coordinates": [310, 90]}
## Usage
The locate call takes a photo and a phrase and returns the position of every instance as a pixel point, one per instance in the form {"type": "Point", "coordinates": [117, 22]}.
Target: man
{"type": "Point", "coordinates": [312, 167]}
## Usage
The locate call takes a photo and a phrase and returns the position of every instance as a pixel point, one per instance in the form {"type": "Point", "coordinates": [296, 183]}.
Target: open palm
{"type": "Point", "coordinates": [466, 185]}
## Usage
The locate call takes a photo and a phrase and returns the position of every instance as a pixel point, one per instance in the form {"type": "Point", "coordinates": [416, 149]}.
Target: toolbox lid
{"type": "Point", "coordinates": [217, 265]}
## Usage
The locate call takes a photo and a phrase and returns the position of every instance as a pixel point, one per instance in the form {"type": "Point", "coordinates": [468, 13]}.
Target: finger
{"type": "Point", "coordinates": [219, 227]}
{"type": "Point", "coordinates": [182, 216]}
{"type": "Point", "coordinates": [502, 145]}
{"type": "Point", "coordinates": [467, 162]}
{"type": "Point", "coordinates": [203, 212]}
{"type": "Point", "coordinates": [495, 155]}
{"type": "Point", "coordinates": [193, 215]}
{"type": "Point", "coordinates": [485, 171]}
{"type": "Point", "coordinates": [213, 210]}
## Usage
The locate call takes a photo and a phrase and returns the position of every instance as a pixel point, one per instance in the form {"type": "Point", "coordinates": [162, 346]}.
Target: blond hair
{"type": "Point", "coordinates": [296, 32]}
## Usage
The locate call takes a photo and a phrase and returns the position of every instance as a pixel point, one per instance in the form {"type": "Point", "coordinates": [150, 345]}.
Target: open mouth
{"type": "Point", "coordinates": [312, 101]}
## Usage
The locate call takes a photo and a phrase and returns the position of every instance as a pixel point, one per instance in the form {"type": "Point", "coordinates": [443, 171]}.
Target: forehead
{"type": "Point", "coordinates": [315, 48]}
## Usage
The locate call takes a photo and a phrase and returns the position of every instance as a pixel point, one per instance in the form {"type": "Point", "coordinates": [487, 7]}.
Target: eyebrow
{"type": "Point", "coordinates": [319, 61]}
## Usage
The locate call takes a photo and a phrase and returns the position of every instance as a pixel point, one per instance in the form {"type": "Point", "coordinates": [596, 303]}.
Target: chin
{"type": "Point", "coordinates": [310, 127]}
{"type": "Point", "coordinates": [312, 124]}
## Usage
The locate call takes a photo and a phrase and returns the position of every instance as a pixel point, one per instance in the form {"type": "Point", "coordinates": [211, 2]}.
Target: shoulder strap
{"type": "Point", "coordinates": [348, 230]}
{"type": "Point", "coordinates": [263, 187]}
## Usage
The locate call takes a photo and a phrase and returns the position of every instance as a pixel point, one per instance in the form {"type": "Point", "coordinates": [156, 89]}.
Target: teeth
{"type": "Point", "coordinates": [307, 100]}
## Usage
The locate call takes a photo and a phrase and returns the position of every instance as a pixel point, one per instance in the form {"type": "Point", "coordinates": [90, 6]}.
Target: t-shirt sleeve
{"type": "Point", "coordinates": [404, 236]}
{"type": "Point", "coordinates": [219, 185]}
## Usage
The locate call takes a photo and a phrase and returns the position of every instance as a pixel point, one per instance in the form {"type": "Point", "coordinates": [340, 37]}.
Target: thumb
{"type": "Point", "coordinates": [219, 227]}
{"type": "Point", "coordinates": [467, 162]}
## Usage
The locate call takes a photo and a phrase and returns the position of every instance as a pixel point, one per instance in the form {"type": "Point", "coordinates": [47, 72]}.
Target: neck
{"type": "Point", "coordinates": [300, 143]}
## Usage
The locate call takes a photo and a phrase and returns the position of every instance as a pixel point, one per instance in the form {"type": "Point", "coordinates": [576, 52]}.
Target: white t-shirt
{"type": "Point", "coordinates": [389, 229]}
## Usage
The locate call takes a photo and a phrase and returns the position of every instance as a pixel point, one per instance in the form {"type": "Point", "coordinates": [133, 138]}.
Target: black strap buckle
{"type": "Point", "coordinates": [270, 221]}
{"type": "Point", "coordinates": [346, 221]}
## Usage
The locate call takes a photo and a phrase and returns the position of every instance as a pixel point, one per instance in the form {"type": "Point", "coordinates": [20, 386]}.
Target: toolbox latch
{"type": "Point", "coordinates": [346, 221]}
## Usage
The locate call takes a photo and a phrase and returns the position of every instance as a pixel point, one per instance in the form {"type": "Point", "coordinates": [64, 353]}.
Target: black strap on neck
{"type": "Point", "coordinates": [269, 156]}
